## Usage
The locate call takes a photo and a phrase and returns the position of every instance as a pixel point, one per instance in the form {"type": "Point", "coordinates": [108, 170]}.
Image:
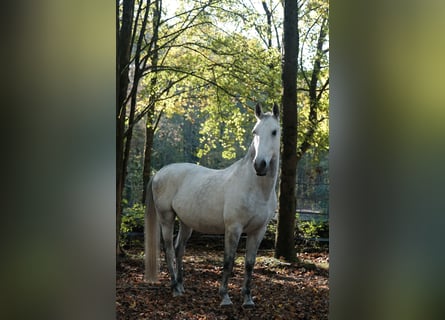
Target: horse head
{"type": "Point", "coordinates": [266, 141]}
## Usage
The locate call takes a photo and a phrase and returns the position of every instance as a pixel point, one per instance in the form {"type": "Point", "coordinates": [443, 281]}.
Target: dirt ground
{"type": "Point", "coordinates": [280, 290]}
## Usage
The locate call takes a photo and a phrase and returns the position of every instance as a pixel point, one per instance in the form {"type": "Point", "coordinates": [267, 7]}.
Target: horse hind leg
{"type": "Point", "coordinates": [183, 235]}
{"type": "Point", "coordinates": [167, 221]}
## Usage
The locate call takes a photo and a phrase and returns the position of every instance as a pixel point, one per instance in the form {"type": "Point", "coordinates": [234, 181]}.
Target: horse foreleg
{"type": "Point", "coordinates": [183, 235]}
{"type": "Point", "coordinates": [252, 244]}
{"type": "Point", "coordinates": [231, 239]}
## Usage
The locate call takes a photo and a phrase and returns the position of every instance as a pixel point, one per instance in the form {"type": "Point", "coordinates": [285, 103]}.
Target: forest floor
{"type": "Point", "coordinates": [280, 290]}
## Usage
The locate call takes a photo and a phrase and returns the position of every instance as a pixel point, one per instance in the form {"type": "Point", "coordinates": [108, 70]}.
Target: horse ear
{"type": "Point", "coordinates": [276, 110]}
{"type": "Point", "coordinates": [258, 111]}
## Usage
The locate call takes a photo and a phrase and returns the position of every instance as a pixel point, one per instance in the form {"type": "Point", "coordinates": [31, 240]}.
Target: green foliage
{"type": "Point", "coordinates": [228, 70]}
{"type": "Point", "coordinates": [314, 229]}
{"type": "Point", "coordinates": [313, 77]}
{"type": "Point", "coordinates": [271, 230]}
{"type": "Point", "coordinates": [132, 221]}
{"type": "Point", "coordinates": [307, 230]}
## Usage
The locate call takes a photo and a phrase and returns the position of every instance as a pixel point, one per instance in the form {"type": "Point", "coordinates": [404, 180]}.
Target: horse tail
{"type": "Point", "coordinates": [152, 237]}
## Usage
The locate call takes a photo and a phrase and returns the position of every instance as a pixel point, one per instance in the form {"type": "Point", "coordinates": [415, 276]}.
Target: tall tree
{"type": "Point", "coordinates": [122, 83]}
{"type": "Point", "coordinates": [150, 127]}
{"type": "Point", "coordinates": [133, 56]}
{"type": "Point", "coordinates": [285, 246]}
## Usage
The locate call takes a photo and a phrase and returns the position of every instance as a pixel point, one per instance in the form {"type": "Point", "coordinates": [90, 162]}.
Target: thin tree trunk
{"type": "Point", "coordinates": [285, 243]}
{"type": "Point", "coordinates": [150, 126]}
{"type": "Point", "coordinates": [149, 137]}
{"type": "Point", "coordinates": [126, 44]}
{"type": "Point", "coordinates": [122, 82]}
{"type": "Point", "coordinates": [269, 24]}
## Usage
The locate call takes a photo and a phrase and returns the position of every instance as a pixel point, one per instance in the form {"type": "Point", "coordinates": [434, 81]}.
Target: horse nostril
{"type": "Point", "coordinates": [263, 164]}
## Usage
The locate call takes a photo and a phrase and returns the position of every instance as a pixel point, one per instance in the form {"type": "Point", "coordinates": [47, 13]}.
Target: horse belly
{"type": "Point", "coordinates": [200, 205]}
{"type": "Point", "coordinates": [202, 217]}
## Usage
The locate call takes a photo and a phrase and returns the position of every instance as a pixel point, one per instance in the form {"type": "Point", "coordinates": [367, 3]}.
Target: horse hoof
{"type": "Point", "coordinates": [177, 293]}
{"type": "Point", "coordinates": [226, 305]}
{"type": "Point", "coordinates": [226, 302]}
{"type": "Point", "coordinates": [248, 302]}
{"type": "Point", "coordinates": [180, 289]}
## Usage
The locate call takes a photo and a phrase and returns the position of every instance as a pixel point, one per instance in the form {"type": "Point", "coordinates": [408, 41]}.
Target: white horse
{"type": "Point", "coordinates": [240, 198]}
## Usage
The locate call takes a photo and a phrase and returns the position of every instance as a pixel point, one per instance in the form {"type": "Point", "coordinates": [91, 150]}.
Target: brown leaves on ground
{"type": "Point", "coordinates": [280, 290]}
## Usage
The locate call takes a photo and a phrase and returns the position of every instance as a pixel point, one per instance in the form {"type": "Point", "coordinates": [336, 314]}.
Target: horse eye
{"type": "Point", "coordinates": [274, 133]}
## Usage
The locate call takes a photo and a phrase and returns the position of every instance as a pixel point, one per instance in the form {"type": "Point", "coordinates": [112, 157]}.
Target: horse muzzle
{"type": "Point", "coordinates": [260, 167]}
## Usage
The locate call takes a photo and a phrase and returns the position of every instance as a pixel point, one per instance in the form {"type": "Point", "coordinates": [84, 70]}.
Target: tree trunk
{"type": "Point", "coordinates": [122, 82]}
{"type": "Point", "coordinates": [285, 243]}
{"type": "Point", "coordinates": [269, 24]}
{"type": "Point", "coordinates": [150, 126]}
{"type": "Point", "coordinates": [149, 137]}
{"type": "Point", "coordinates": [126, 43]}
